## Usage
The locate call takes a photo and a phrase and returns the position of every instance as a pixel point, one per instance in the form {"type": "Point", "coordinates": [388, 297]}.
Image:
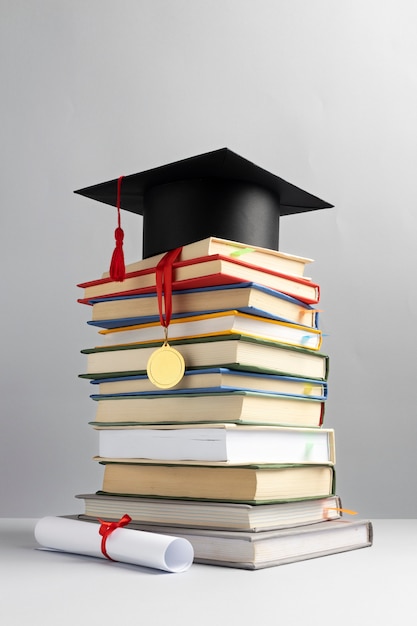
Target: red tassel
{"type": "Point", "coordinates": [117, 265]}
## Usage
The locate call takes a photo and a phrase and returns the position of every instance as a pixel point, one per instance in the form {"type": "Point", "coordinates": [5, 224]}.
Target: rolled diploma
{"type": "Point", "coordinates": [165, 552]}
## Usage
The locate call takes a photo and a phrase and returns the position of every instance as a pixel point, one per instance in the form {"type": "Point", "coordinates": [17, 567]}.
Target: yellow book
{"type": "Point", "coordinates": [252, 483]}
{"type": "Point", "coordinates": [214, 324]}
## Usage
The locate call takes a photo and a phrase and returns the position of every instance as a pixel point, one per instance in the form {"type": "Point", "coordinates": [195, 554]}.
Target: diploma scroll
{"type": "Point", "coordinates": [164, 552]}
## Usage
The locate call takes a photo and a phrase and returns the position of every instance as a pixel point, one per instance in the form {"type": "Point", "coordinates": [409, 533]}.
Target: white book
{"type": "Point", "coordinates": [228, 443]}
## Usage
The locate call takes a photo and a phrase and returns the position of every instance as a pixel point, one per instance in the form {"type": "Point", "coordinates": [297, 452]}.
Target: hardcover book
{"type": "Point", "coordinates": [240, 352]}
{"type": "Point", "coordinates": [214, 324]}
{"type": "Point", "coordinates": [248, 550]}
{"type": "Point", "coordinates": [238, 407]}
{"type": "Point", "coordinates": [208, 514]}
{"type": "Point", "coordinates": [254, 484]}
{"type": "Point", "coordinates": [204, 272]}
{"type": "Point", "coordinates": [259, 256]}
{"type": "Point", "coordinates": [248, 298]}
{"type": "Point", "coordinates": [216, 379]}
{"type": "Point", "coordinates": [228, 443]}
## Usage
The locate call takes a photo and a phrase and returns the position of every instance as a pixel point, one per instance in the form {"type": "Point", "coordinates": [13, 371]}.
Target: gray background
{"type": "Point", "coordinates": [322, 93]}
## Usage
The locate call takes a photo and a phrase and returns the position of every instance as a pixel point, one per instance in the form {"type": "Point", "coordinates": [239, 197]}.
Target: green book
{"type": "Point", "coordinates": [232, 351]}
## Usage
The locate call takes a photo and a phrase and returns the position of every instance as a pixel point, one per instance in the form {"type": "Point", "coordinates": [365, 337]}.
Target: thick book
{"type": "Point", "coordinates": [214, 515]}
{"type": "Point", "coordinates": [254, 484]}
{"type": "Point", "coordinates": [203, 272]}
{"type": "Point", "coordinates": [214, 324]}
{"type": "Point", "coordinates": [228, 443]}
{"type": "Point", "coordinates": [246, 297]}
{"type": "Point", "coordinates": [241, 352]}
{"type": "Point", "coordinates": [255, 255]}
{"type": "Point", "coordinates": [234, 407]}
{"type": "Point", "coordinates": [252, 551]}
{"type": "Point", "coordinates": [216, 379]}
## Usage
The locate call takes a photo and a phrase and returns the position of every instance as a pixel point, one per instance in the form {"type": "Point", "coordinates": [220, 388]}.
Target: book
{"type": "Point", "coordinates": [239, 352]}
{"type": "Point", "coordinates": [255, 255]}
{"type": "Point", "coordinates": [254, 484]}
{"type": "Point", "coordinates": [228, 443]}
{"type": "Point", "coordinates": [208, 514]}
{"type": "Point", "coordinates": [213, 324]}
{"type": "Point", "coordinates": [203, 272]}
{"type": "Point", "coordinates": [217, 379]}
{"type": "Point", "coordinates": [238, 407]}
{"type": "Point", "coordinates": [246, 297]}
{"type": "Point", "coordinates": [252, 551]}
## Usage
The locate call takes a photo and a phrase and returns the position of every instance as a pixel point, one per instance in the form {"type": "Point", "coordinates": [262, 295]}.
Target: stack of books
{"type": "Point", "coordinates": [234, 457]}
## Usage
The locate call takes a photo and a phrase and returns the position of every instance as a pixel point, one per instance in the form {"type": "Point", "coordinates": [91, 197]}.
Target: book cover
{"type": "Point", "coordinates": [248, 298]}
{"type": "Point", "coordinates": [241, 353]}
{"type": "Point", "coordinates": [254, 484]}
{"type": "Point", "coordinates": [216, 379]}
{"type": "Point", "coordinates": [254, 255]}
{"type": "Point", "coordinates": [203, 272]}
{"type": "Point", "coordinates": [213, 324]}
{"type": "Point", "coordinates": [208, 514]}
{"type": "Point", "coordinates": [249, 550]}
{"type": "Point", "coordinates": [238, 407]}
{"type": "Point", "coordinates": [228, 443]}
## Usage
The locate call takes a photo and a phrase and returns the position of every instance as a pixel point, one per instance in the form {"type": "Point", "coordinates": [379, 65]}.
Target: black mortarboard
{"type": "Point", "coordinates": [214, 194]}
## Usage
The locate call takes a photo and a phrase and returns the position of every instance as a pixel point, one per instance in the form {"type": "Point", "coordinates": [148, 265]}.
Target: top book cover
{"type": "Point", "coordinates": [203, 272]}
{"type": "Point", "coordinates": [256, 256]}
{"type": "Point", "coordinates": [218, 194]}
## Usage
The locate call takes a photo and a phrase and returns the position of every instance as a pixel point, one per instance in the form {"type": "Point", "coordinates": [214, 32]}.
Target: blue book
{"type": "Point", "coordinates": [251, 298]}
{"type": "Point", "coordinates": [212, 380]}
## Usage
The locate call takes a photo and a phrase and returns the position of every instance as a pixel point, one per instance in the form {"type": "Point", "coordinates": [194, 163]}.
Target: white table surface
{"type": "Point", "coordinates": [369, 586]}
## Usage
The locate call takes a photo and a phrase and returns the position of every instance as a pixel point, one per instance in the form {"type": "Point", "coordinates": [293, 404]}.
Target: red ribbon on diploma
{"type": "Point", "coordinates": [164, 285]}
{"type": "Point", "coordinates": [107, 528]}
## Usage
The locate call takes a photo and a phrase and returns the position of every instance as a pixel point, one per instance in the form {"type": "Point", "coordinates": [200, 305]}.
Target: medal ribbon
{"type": "Point", "coordinates": [164, 273]}
{"type": "Point", "coordinates": [107, 528]}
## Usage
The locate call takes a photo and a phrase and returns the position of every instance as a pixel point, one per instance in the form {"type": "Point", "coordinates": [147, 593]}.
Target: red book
{"type": "Point", "coordinates": [203, 272]}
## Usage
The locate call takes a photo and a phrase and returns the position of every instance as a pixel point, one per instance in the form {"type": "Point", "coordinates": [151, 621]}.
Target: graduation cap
{"type": "Point", "coordinates": [218, 194]}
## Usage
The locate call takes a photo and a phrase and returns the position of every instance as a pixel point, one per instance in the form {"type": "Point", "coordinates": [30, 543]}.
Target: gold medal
{"type": "Point", "coordinates": [165, 367]}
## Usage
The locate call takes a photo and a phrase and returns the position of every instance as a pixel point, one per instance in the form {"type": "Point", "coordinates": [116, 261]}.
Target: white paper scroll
{"type": "Point", "coordinates": [164, 552]}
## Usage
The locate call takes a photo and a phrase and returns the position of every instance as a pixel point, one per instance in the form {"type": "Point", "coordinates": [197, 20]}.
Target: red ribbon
{"type": "Point", "coordinates": [107, 528]}
{"type": "Point", "coordinates": [164, 273]}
